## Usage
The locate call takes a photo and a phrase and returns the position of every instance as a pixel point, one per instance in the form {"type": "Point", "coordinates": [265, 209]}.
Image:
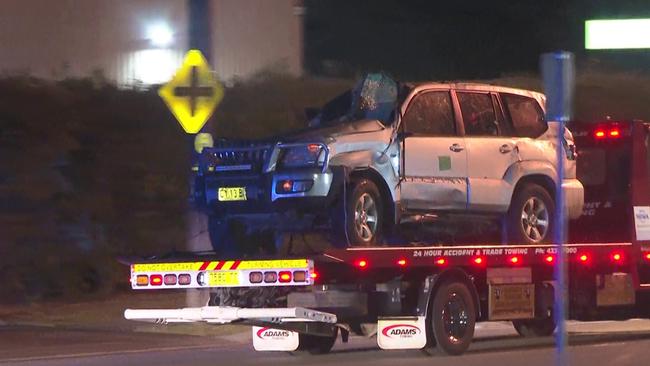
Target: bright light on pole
{"type": "Point", "coordinates": [160, 35]}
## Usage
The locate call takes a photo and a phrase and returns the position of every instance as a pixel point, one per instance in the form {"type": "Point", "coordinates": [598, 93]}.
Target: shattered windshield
{"type": "Point", "coordinates": [373, 97]}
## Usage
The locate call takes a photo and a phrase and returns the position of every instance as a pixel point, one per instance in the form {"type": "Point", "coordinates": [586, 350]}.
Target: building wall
{"type": "Point", "coordinates": [74, 38]}
{"type": "Point", "coordinates": [249, 35]}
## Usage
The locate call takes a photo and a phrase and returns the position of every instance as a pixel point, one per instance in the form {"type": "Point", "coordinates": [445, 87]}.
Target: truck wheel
{"type": "Point", "coordinates": [358, 221]}
{"type": "Point", "coordinates": [317, 345]}
{"type": "Point", "coordinates": [221, 236]}
{"type": "Point", "coordinates": [529, 328]}
{"type": "Point", "coordinates": [531, 216]}
{"type": "Point", "coordinates": [452, 318]}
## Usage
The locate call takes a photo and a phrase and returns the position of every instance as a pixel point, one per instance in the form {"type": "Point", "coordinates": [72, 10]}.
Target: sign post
{"type": "Point", "coordinates": [558, 75]}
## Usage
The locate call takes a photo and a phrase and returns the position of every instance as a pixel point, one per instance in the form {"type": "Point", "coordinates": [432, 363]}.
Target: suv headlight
{"type": "Point", "coordinates": [302, 156]}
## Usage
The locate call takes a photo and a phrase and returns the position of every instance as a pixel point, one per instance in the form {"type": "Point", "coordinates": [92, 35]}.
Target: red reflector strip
{"type": "Point", "coordinates": [235, 265]}
{"type": "Point", "coordinates": [204, 266]}
{"type": "Point", "coordinates": [220, 265]}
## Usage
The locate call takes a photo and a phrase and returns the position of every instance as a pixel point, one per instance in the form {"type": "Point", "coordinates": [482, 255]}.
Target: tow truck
{"type": "Point", "coordinates": [421, 296]}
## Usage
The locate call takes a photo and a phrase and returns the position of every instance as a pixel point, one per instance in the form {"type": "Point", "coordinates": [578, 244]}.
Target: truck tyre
{"type": "Point", "coordinates": [452, 318]}
{"type": "Point", "coordinates": [530, 328]}
{"type": "Point", "coordinates": [221, 236]}
{"type": "Point", "coordinates": [317, 345]}
{"type": "Point", "coordinates": [357, 219]}
{"type": "Point", "coordinates": [531, 216]}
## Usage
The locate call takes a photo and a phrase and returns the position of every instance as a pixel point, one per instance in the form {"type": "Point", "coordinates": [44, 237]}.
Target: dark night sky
{"type": "Point", "coordinates": [419, 39]}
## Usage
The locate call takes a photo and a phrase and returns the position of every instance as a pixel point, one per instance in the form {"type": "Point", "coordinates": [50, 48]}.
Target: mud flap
{"type": "Point", "coordinates": [269, 339]}
{"type": "Point", "coordinates": [402, 333]}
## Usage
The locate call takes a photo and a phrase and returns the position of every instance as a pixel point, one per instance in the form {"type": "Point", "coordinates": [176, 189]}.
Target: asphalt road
{"type": "Point", "coordinates": [600, 343]}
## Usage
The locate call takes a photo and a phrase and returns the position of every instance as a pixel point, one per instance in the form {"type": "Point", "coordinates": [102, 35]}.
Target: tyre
{"type": "Point", "coordinates": [317, 345]}
{"type": "Point", "coordinates": [531, 216]}
{"type": "Point", "coordinates": [221, 236]}
{"type": "Point", "coordinates": [529, 328]}
{"type": "Point", "coordinates": [452, 317]}
{"type": "Point", "coordinates": [357, 219]}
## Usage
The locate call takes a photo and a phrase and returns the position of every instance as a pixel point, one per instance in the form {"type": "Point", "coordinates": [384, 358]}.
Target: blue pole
{"type": "Point", "coordinates": [558, 77]}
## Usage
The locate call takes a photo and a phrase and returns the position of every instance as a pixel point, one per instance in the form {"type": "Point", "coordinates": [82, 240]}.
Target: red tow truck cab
{"type": "Point", "coordinates": [614, 167]}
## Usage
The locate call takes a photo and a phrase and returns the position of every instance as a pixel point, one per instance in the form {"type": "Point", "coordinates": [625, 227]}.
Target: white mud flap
{"type": "Point", "coordinates": [401, 333]}
{"type": "Point", "coordinates": [269, 339]}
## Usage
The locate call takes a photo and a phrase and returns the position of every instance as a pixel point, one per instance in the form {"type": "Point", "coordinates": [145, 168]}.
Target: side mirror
{"type": "Point", "coordinates": [311, 113]}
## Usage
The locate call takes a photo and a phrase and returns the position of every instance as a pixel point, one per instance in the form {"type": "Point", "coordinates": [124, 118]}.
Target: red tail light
{"type": "Point", "coordinates": [285, 277]}
{"type": "Point", "coordinates": [401, 262]}
{"type": "Point", "coordinates": [514, 260]}
{"type": "Point", "coordinates": [361, 263]}
{"type": "Point", "coordinates": [313, 275]}
{"type": "Point", "coordinates": [584, 258]}
{"type": "Point", "coordinates": [647, 256]}
{"type": "Point", "coordinates": [478, 260]}
{"type": "Point", "coordinates": [549, 259]}
{"type": "Point", "coordinates": [441, 261]}
{"type": "Point", "coordinates": [617, 257]}
{"type": "Point", "coordinates": [155, 280]}
{"type": "Point", "coordinates": [599, 134]}
{"type": "Point", "coordinates": [170, 279]}
{"type": "Point", "coordinates": [184, 279]}
{"type": "Point", "coordinates": [615, 132]}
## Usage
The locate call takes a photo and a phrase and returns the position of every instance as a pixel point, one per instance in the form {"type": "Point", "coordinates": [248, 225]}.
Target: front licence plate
{"type": "Point", "coordinates": [232, 194]}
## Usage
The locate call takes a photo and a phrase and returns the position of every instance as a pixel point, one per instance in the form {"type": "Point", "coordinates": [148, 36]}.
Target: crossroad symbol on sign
{"type": "Point", "coordinates": [193, 93]}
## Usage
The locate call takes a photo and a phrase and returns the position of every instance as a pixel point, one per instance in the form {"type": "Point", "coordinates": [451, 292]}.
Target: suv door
{"type": "Point", "coordinates": [490, 151]}
{"type": "Point", "coordinates": [434, 157]}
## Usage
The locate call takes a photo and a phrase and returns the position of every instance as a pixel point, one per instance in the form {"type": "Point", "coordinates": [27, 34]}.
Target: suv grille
{"type": "Point", "coordinates": [244, 158]}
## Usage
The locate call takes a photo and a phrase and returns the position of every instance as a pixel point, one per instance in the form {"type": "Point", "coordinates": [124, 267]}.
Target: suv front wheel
{"type": "Point", "coordinates": [531, 216]}
{"type": "Point", "coordinates": [358, 218]}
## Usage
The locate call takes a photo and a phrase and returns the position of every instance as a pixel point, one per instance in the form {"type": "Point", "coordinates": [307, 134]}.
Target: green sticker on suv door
{"type": "Point", "coordinates": [444, 163]}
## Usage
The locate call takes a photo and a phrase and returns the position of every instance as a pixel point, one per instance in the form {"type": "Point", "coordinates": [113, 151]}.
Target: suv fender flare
{"type": "Point", "coordinates": [524, 170]}
{"type": "Point", "coordinates": [371, 165]}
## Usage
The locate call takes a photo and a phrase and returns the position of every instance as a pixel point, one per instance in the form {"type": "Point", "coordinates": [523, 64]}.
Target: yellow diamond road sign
{"type": "Point", "coordinates": [193, 93]}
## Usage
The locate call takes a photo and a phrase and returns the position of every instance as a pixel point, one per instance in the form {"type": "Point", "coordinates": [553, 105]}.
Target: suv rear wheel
{"type": "Point", "coordinates": [358, 218]}
{"type": "Point", "coordinates": [531, 215]}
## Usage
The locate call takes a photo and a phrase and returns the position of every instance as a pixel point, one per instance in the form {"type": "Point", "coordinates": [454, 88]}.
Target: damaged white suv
{"type": "Point", "coordinates": [387, 153]}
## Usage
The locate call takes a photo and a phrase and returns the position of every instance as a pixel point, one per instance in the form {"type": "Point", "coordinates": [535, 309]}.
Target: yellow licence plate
{"type": "Point", "coordinates": [232, 194]}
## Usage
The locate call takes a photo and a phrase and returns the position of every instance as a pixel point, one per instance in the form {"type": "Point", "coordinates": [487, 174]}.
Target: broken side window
{"type": "Point", "coordinates": [478, 114]}
{"type": "Point", "coordinates": [431, 114]}
{"type": "Point", "coordinates": [526, 115]}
